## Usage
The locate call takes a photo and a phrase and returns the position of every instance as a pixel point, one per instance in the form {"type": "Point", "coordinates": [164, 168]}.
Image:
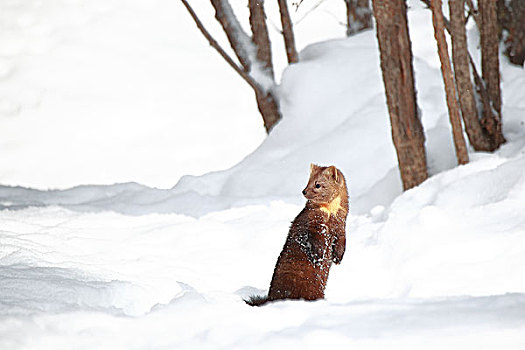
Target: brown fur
{"type": "Point", "coordinates": [315, 240]}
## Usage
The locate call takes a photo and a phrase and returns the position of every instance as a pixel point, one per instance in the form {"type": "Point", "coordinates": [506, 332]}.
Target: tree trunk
{"type": "Point", "coordinates": [490, 121]}
{"type": "Point", "coordinates": [266, 101]}
{"type": "Point", "coordinates": [448, 80]}
{"type": "Point", "coordinates": [289, 40]}
{"type": "Point", "coordinates": [460, 57]}
{"type": "Point", "coordinates": [491, 114]}
{"type": "Point", "coordinates": [481, 137]}
{"type": "Point", "coordinates": [490, 51]}
{"type": "Point", "coordinates": [358, 16]}
{"type": "Point", "coordinates": [511, 18]}
{"type": "Point", "coordinates": [398, 78]}
{"type": "Point", "coordinates": [260, 35]}
{"type": "Point", "coordinates": [269, 109]}
{"type": "Point", "coordinates": [232, 33]}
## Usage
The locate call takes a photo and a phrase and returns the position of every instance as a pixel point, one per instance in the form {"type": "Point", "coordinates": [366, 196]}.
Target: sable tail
{"type": "Point", "coordinates": [257, 300]}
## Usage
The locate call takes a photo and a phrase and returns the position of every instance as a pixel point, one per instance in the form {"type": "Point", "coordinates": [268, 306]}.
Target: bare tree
{"type": "Point", "coordinates": [482, 124]}
{"type": "Point", "coordinates": [398, 78]}
{"type": "Point", "coordinates": [253, 53]}
{"type": "Point", "coordinates": [482, 121]}
{"type": "Point", "coordinates": [358, 16]}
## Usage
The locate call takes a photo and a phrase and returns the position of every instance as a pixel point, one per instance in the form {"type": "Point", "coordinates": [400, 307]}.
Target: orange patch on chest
{"type": "Point", "coordinates": [333, 207]}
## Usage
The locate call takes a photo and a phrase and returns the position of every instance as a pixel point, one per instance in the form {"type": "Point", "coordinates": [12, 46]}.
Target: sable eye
{"type": "Point", "coordinates": [317, 185]}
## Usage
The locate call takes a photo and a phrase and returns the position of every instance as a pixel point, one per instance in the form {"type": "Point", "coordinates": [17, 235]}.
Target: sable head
{"type": "Point", "coordinates": [325, 184]}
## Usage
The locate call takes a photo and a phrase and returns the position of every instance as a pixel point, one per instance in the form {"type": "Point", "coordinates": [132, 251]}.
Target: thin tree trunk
{"type": "Point", "coordinates": [472, 104]}
{"type": "Point", "coordinates": [491, 114]}
{"type": "Point", "coordinates": [398, 78]}
{"type": "Point", "coordinates": [289, 40]}
{"type": "Point", "coordinates": [460, 57]}
{"type": "Point", "coordinates": [448, 80]}
{"type": "Point", "coordinates": [358, 16]}
{"type": "Point", "coordinates": [260, 35]}
{"type": "Point", "coordinates": [490, 51]}
{"type": "Point", "coordinates": [490, 121]}
{"type": "Point", "coordinates": [266, 101]}
{"type": "Point", "coordinates": [479, 136]}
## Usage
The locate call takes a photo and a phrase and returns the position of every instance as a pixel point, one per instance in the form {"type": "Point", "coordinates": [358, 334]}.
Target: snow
{"type": "Point", "coordinates": [114, 256]}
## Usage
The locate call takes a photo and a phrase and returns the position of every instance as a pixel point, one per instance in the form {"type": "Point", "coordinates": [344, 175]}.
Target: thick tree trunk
{"type": "Point", "coordinates": [448, 80]}
{"type": "Point", "coordinates": [358, 16]}
{"type": "Point", "coordinates": [289, 39]}
{"type": "Point", "coordinates": [396, 65]}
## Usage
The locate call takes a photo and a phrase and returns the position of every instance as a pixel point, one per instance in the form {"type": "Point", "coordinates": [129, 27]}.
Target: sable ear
{"type": "Point", "coordinates": [313, 167]}
{"type": "Point", "coordinates": [332, 170]}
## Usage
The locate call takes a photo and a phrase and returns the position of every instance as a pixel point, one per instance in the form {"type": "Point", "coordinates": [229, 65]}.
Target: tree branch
{"type": "Point", "coordinates": [219, 49]}
{"type": "Point", "coordinates": [473, 12]}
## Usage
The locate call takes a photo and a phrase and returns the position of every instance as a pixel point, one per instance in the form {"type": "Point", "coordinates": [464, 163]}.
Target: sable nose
{"type": "Point", "coordinates": [304, 192]}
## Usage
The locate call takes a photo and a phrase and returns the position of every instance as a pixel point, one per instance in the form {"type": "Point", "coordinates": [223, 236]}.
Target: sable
{"type": "Point", "coordinates": [316, 239]}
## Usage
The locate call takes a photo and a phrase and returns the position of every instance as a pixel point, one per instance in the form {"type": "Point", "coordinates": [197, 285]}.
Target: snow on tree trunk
{"type": "Point", "coordinates": [254, 54]}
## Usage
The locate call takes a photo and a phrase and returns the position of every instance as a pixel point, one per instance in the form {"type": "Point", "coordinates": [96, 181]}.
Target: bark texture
{"type": "Point", "coordinates": [448, 79]}
{"type": "Point", "coordinates": [288, 35]}
{"type": "Point", "coordinates": [398, 77]}
{"type": "Point", "coordinates": [482, 124]}
{"type": "Point", "coordinates": [490, 84]}
{"type": "Point", "coordinates": [490, 51]}
{"type": "Point", "coordinates": [260, 35]}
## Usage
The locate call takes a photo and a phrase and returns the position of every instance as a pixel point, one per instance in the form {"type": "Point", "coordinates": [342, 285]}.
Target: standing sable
{"type": "Point", "coordinates": [315, 240]}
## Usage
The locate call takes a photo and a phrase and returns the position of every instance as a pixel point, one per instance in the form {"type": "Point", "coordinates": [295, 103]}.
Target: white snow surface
{"type": "Point", "coordinates": [144, 266]}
